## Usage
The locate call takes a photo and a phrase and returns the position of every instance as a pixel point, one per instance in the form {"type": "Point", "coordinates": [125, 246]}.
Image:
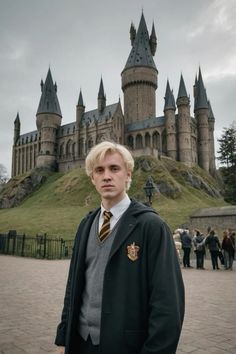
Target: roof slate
{"type": "Point", "coordinates": [49, 102]}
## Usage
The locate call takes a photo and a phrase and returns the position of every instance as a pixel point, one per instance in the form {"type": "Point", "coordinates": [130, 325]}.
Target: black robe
{"type": "Point", "coordinates": [143, 292]}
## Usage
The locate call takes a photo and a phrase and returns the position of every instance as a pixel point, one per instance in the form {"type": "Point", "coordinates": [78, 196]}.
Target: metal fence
{"type": "Point", "coordinates": [39, 246]}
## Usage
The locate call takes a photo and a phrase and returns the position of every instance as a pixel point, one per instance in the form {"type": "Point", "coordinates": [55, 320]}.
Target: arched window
{"type": "Point", "coordinates": [69, 147]}
{"type": "Point", "coordinates": [130, 141]}
{"type": "Point", "coordinates": [147, 140]}
{"type": "Point", "coordinates": [61, 150]}
{"type": "Point", "coordinates": [139, 141]}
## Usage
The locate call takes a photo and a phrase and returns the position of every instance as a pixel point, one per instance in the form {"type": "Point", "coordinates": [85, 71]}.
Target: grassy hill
{"type": "Point", "coordinates": [62, 200]}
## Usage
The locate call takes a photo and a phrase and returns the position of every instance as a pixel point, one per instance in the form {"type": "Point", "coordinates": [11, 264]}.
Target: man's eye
{"type": "Point", "coordinates": [115, 168]}
{"type": "Point", "coordinates": [98, 170]}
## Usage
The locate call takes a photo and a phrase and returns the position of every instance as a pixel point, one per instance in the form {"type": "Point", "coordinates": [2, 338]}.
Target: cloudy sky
{"type": "Point", "coordinates": [82, 40]}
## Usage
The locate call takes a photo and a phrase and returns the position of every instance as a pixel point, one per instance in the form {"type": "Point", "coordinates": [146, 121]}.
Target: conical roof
{"type": "Point", "coordinates": [140, 54]}
{"type": "Point", "coordinates": [101, 90]}
{"type": "Point", "coordinates": [17, 120]}
{"type": "Point", "coordinates": [169, 98]}
{"type": "Point", "coordinates": [80, 100]}
{"type": "Point", "coordinates": [49, 102]}
{"type": "Point", "coordinates": [182, 89]}
{"type": "Point", "coordinates": [201, 98]}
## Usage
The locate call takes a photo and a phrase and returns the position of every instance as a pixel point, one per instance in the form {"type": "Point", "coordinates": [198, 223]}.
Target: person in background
{"type": "Point", "coordinates": [186, 241]}
{"type": "Point", "coordinates": [125, 292]}
{"type": "Point", "coordinates": [228, 249]}
{"type": "Point", "coordinates": [213, 244]}
{"type": "Point", "coordinates": [232, 238]}
{"type": "Point", "coordinates": [199, 245]}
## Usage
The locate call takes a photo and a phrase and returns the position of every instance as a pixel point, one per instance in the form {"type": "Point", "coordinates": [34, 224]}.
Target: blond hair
{"type": "Point", "coordinates": [98, 152]}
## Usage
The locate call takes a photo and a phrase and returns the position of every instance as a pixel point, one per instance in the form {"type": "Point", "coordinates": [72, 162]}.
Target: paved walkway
{"type": "Point", "coordinates": [31, 295]}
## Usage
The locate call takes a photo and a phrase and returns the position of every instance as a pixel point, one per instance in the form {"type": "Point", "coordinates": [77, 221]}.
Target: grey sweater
{"type": "Point", "coordinates": [96, 259]}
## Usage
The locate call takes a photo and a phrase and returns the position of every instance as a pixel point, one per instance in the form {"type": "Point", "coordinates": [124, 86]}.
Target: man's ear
{"type": "Point", "coordinates": [92, 180]}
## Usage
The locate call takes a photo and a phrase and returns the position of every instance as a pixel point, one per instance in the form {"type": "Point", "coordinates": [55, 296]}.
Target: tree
{"type": "Point", "coordinates": [227, 156]}
{"type": "Point", "coordinates": [3, 174]}
{"type": "Point", "coordinates": [227, 150]}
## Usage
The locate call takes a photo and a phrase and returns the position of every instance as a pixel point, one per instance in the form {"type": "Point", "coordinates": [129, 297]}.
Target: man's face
{"type": "Point", "coordinates": [110, 178]}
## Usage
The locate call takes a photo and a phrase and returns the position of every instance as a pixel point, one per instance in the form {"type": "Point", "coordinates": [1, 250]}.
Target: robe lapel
{"type": "Point", "coordinates": [83, 236]}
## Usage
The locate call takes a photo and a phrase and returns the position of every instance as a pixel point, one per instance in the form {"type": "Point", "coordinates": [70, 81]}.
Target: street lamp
{"type": "Point", "coordinates": [149, 189]}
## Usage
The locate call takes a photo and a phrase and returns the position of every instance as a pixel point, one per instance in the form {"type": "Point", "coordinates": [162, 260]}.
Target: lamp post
{"type": "Point", "coordinates": [149, 189]}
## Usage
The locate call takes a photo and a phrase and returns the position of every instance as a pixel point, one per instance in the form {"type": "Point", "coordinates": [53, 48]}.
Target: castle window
{"type": "Point", "coordinates": [130, 141]}
{"type": "Point", "coordinates": [139, 141]}
{"type": "Point", "coordinates": [147, 140]}
{"type": "Point", "coordinates": [47, 152]}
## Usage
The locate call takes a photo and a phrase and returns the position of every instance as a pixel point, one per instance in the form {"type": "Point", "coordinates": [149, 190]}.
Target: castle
{"type": "Point", "coordinates": [176, 134]}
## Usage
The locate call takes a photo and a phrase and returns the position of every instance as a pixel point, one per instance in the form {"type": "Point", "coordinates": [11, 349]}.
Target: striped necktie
{"type": "Point", "coordinates": [105, 229]}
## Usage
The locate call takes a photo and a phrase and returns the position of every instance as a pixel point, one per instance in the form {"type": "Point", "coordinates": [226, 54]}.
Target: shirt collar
{"type": "Point", "coordinates": [118, 209]}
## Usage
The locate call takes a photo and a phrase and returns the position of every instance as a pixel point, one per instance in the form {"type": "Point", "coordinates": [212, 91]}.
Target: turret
{"type": "Point", "coordinates": [48, 120]}
{"type": "Point", "coordinates": [101, 98]}
{"type": "Point", "coordinates": [80, 109]}
{"type": "Point", "coordinates": [153, 40]}
{"type": "Point", "coordinates": [201, 115]}
{"type": "Point", "coordinates": [139, 78]}
{"type": "Point", "coordinates": [183, 122]}
{"type": "Point", "coordinates": [16, 128]}
{"type": "Point", "coordinates": [169, 112]}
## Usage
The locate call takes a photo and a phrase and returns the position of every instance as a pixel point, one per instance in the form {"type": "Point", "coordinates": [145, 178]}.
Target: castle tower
{"type": "Point", "coordinates": [201, 114]}
{"type": "Point", "coordinates": [211, 122]}
{"type": "Point", "coordinates": [183, 123]}
{"type": "Point", "coordinates": [80, 109]}
{"type": "Point", "coordinates": [101, 98]}
{"type": "Point", "coordinates": [139, 77]}
{"type": "Point", "coordinates": [48, 120]}
{"type": "Point", "coordinates": [169, 112]}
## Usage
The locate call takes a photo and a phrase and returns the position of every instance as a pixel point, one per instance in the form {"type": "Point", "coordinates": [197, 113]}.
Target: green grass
{"type": "Point", "coordinates": [57, 207]}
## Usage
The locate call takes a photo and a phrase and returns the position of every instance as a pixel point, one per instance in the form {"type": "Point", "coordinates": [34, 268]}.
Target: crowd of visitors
{"type": "Point", "coordinates": [221, 250]}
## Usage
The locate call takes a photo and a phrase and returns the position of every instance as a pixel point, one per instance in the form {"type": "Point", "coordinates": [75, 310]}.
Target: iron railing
{"type": "Point", "coordinates": [39, 246]}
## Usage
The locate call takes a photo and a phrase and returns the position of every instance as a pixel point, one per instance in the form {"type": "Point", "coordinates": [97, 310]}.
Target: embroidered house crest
{"type": "Point", "coordinates": [133, 251]}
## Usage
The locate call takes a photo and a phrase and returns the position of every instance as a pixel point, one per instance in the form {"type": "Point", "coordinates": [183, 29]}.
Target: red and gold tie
{"type": "Point", "coordinates": [105, 229]}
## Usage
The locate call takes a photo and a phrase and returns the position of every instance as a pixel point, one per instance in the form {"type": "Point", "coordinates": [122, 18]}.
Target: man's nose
{"type": "Point", "coordinates": [106, 175]}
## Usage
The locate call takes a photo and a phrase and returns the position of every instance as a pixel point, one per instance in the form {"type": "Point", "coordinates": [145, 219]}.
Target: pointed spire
{"type": "Point", "coordinates": [141, 54]}
{"type": "Point", "coordinates": [80, 100]}
{"type": "Point", "coordinates": [201, 96]}
{"type": "Point", "coordinates": [101, 90]}
{"type": "Point", "coordinates": [49, 102]}
{"type": "Point", "coordinates": [182, 89]}
{"type": "Point", "coordinates": [101, 98]}
{"type": "Point", "coordinates": [17, 120]}
{"type": "Point", "coordinates": [169, 98]}
{"type": "Point", "coordinates": [153, 40]}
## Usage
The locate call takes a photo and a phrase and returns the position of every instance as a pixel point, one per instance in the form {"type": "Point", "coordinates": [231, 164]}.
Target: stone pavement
{"type": "Point", "coordinates": [31, 296]}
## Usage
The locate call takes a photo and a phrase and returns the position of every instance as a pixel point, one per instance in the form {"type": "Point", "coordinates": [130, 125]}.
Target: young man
{"type": "Point", "coordinates": [125, 293]}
